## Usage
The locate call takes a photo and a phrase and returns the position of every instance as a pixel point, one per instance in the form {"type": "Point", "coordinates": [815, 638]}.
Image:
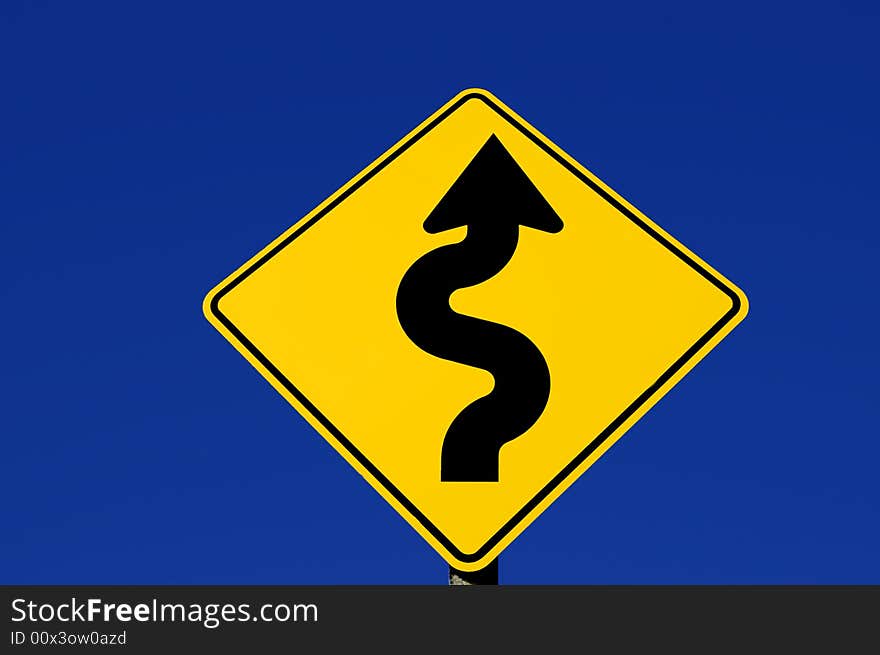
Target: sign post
{"type": "Point", "coordinates": [471, 322]}
{"type": "Point", "coordinates": [488, 575]}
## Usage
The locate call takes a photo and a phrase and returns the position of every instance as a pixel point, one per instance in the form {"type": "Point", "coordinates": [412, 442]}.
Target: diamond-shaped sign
{"type": "Point", "coordinates": [472, 321]}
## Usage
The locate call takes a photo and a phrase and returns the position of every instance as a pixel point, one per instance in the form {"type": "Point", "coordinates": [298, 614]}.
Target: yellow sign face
{"type": "Point", "coordinates": [472, 321]}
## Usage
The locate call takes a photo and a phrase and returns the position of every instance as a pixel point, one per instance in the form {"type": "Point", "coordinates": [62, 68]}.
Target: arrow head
{"type": "Point", "coordinates": [493, 189]}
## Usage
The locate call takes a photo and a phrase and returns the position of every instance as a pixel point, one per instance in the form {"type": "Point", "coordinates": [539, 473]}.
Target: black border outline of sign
{"type": "Point", "coordinates": [591, 447]}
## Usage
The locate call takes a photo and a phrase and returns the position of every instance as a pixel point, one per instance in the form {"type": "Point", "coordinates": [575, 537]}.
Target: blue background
{"type": "Point", "coordinates": [150, 148]}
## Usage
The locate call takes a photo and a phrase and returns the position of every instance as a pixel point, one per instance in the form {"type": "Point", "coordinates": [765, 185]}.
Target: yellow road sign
{"type": "Point", "coordinates": [472, 321]}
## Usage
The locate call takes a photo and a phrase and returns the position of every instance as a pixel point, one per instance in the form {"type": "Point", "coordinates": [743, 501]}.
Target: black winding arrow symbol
{"type": "Point", "coordinates": [492, 197]}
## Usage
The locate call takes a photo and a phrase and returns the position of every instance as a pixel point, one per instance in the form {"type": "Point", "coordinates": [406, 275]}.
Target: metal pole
{"type": "Point", "coordinates": [485, 576]}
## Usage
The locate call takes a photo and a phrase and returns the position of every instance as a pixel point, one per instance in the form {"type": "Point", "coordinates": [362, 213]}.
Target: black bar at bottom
{"type": "Point", "coordinates": [497, 619]}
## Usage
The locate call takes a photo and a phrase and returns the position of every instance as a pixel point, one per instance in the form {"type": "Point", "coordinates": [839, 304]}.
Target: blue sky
{"type": "Point", "coordinates": [147, 149]}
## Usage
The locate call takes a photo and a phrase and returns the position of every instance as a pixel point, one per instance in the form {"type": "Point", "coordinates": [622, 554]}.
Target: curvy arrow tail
{"type": "Point", "coordinates": [522, 380]}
